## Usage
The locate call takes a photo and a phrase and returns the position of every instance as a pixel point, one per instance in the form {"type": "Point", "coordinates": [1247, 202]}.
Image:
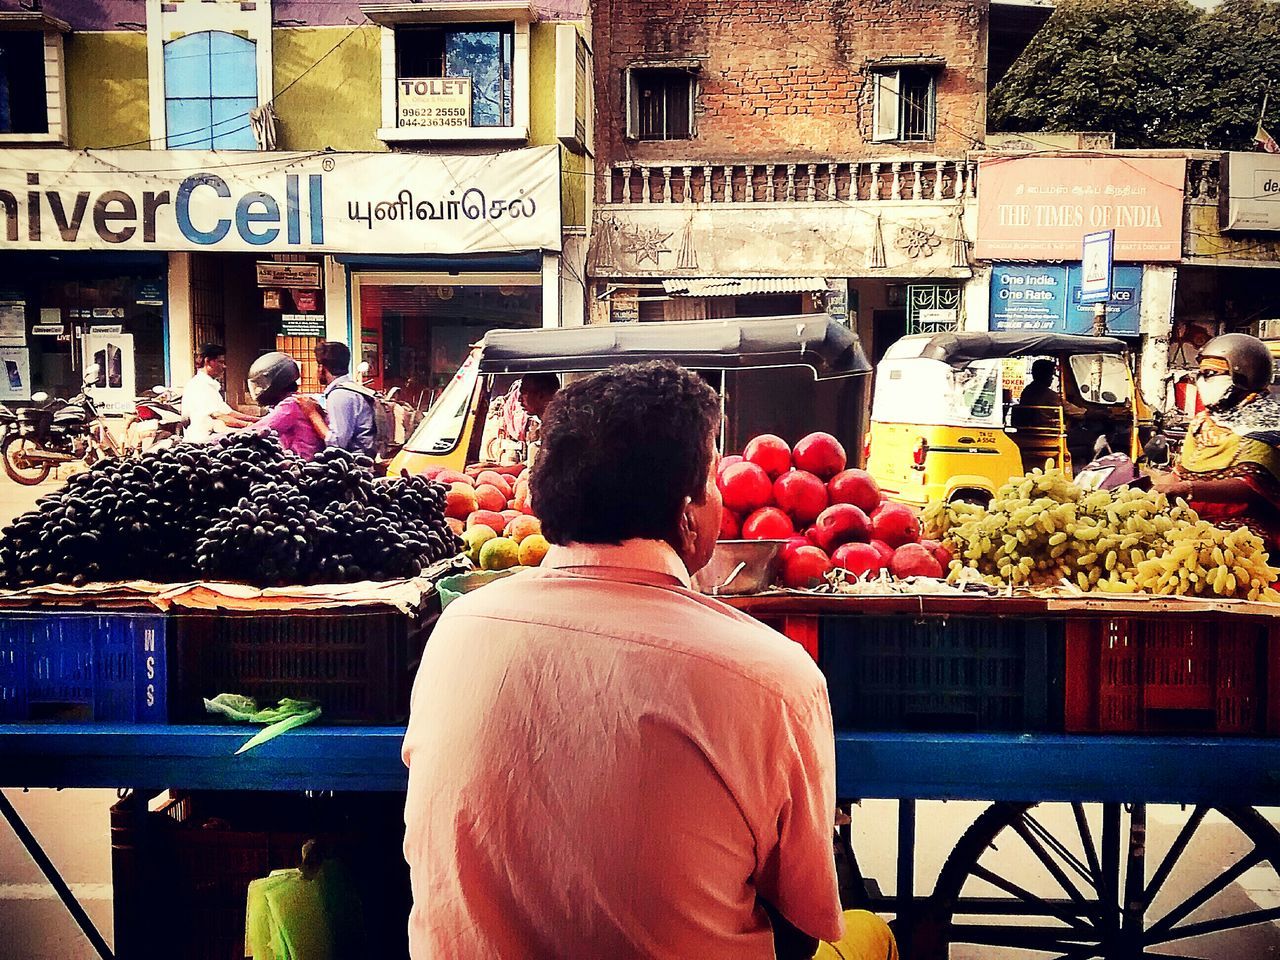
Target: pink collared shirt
{"type": "Point", "coordinates": [606, 764]}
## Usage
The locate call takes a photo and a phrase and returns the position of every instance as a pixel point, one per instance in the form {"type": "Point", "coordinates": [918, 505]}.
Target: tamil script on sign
{"type": "Point", "coordinates": [285, 203]}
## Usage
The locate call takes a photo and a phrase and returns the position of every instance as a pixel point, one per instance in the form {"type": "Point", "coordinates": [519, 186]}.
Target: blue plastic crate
{"type": "Point", "coordinates": [83, 667]}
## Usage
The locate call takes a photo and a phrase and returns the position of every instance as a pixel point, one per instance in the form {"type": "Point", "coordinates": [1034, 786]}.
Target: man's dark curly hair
{"type": "Point", "coordinates": [621, 450]}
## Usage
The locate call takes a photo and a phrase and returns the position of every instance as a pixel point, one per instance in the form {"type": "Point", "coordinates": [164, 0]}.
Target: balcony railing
{"type": "Point", "coordinates": [861, 180]}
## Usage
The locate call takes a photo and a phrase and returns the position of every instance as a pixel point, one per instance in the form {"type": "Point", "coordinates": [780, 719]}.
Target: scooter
{"type": "Point", "coordinates": [157, 421]}
{"type": "Point", "coordinates": [56, 432]}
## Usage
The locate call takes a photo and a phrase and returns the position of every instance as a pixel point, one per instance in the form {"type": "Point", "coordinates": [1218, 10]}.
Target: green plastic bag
{"type": "Point", "coordinates": [284, 716]}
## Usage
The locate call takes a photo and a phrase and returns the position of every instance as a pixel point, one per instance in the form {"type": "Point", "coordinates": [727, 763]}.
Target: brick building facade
{"type": "Point", "coordinates": [793, 79]}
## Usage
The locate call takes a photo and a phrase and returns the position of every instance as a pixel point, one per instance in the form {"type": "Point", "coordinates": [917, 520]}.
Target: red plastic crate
{"type": "Point", "coordinates": [1188, 675]}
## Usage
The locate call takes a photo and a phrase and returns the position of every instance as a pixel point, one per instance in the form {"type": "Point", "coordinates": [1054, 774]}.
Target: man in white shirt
{"type": "Point", "coordinates": [204, 408]}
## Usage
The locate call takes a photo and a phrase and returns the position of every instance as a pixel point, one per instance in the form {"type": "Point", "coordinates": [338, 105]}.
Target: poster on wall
{"type": "Point", "coordinates": [13, 321]}
{"type": "Point", "coordinates": [1048, 300]}
{"type": "Point", "coordinates": [115, 388]}
{"type": "Point", "coordinates": [15, 384]}
{"type": "Point", "coordinates": [1040, 208]}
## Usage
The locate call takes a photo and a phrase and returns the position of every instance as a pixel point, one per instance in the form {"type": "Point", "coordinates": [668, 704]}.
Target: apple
{"type": "Point", "coordinates": [745, 487]}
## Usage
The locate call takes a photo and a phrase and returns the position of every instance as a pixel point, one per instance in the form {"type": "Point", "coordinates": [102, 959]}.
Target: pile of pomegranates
{"type": "Point", "coordinates": [830, 515]}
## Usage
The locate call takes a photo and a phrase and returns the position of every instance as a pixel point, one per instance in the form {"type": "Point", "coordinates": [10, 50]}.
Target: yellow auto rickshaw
{"type": "Point", "coordinates": [946, 423]}
{"type": "Point", "coordinates": [783, 375]}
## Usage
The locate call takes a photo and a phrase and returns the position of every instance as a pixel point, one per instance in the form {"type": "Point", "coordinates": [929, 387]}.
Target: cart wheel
{"type": "Point", "coordinates": [18, 467]}
{"type": "Point", "coordinates": [1078, 892]}
{"type": "Point", "coordinates": [852, 884]}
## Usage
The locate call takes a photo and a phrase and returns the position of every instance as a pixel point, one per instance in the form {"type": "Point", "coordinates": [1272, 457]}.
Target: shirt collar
{"type": "Point", "coordinates": [645, 556]}
{"type": "Point", "coordinates": [345, 378]}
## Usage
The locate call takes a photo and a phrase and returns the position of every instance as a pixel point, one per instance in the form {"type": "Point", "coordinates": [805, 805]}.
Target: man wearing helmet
{"type": "Point", "coordinates": [1230, 467]}
{"type": "Point", "coordinates": [297, 421]}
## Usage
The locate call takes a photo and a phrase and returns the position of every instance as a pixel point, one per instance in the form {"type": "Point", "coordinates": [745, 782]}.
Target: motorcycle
{"type": "Point", "coordinates": [156, 422]}
{"type": "Point", "coordinates": [56, 432]}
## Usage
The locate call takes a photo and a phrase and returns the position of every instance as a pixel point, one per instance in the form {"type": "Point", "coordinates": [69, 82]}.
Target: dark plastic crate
{"type": "Point", "coordinates": [954, 674]}
{"type": "Point", "coordinates": [357, 664]}
{"type": "Point", "coordinates": [78, 667]}
{"type": "Point", "coordinates": [181, 873]}
{"type": "Point", "coordinates": [1171, 675]}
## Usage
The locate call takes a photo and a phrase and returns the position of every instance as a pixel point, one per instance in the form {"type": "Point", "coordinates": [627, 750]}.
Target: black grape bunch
{"type": "Point", "coordinates": [243, 510]}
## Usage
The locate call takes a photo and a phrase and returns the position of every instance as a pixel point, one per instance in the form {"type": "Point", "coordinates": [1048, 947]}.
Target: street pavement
{"type": "Point", "coordinates": [73, 827]}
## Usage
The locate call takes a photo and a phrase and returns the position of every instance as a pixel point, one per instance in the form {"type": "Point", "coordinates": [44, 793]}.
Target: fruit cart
{"type": "Point", "coordinates": [1068, 716]}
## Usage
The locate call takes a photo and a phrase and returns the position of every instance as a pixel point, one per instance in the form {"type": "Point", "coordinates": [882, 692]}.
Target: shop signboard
{"type": "Point", "coordinates": [1047, 299]}
{"type": "Point", "coordinates": [433, 102]}
{"type": "Point", "coordinates": [373, 203]}
{"type": "Point", "coordinates": [302, 325]}
{"type": "Point", "coordinates": [1250, 192]}
{"type": "Point", "coordinates": [296, 276]}
{"type": "Point", "coordinates": [1040, 208]}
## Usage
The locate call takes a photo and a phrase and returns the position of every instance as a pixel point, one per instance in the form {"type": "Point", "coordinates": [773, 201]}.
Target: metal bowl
{"type": "Point", "coordinates": [760, 568]}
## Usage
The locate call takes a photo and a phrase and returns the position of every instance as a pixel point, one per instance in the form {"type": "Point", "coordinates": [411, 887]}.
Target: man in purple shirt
{"type": "Point", "coordinates": [348, 406]}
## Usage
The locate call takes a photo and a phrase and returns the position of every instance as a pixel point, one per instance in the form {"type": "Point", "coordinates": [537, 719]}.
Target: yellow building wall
{"type": "Point", "coordinates": [337, 104]}
{"type": "Point", "coordinates": [1204, 239]}
{"type": "Point", "coordinates": [542, 122]}
{"type": "Point", "coordinates": [107, 89]}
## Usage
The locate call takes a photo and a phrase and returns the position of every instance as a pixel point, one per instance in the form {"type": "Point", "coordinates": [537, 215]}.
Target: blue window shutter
{"type": "Point", "coordinates": [210, 85]}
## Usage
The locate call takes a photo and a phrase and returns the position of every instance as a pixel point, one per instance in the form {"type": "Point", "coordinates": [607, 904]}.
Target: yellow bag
{"type": "Point", "coordinates": [866, 937]}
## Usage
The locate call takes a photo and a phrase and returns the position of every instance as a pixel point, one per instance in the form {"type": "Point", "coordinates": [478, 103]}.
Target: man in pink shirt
{"type": "Point", "coordinates": [602, 762]}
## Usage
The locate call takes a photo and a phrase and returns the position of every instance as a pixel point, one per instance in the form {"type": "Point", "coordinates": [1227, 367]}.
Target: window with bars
{"type": "Point", "coordinates": [660, 103]}
{"type": "Point", "coordinates": [933, 308]}
{"type": "Point", "coordinates": [905, 105]}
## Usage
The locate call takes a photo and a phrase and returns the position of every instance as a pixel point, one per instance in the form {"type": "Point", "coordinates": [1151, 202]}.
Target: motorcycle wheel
{"type": "Point", "coordinates": [17, 466]}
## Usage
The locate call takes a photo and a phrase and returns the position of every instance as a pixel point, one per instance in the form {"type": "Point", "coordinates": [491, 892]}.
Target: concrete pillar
{"type": "Point", "coordinates": [337, 325]}
{"type": "Point", "coordinates": [551, 290]}
{"type": "Point", "coordinates": [1155, 323]}
{"type": "Point", "coordinates": [181, 360]}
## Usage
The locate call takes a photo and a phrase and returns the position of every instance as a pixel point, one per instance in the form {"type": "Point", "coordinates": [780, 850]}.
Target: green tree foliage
{"type": "Point", "coordinates": [1159, 73]}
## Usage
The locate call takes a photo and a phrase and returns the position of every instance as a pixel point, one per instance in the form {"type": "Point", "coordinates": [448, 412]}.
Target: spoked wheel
{"type": "Point", "coordinates": [1092, 883]}
{"type": "Point", "coordinates": [17, 464]}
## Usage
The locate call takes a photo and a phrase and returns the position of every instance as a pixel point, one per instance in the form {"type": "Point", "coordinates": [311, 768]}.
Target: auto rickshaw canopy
{"type": "Point", "coordinates": [961, 349]}
{"type": "Point", "coordinates": [826, 346]}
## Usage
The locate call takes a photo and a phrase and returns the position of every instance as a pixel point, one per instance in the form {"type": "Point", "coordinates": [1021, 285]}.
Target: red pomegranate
{"type": "Point", "coordinates": [857, 487]}
{"type": "Point", "coordinates": [841, 523]}
{"type": "Point", "coordinates": [793, 544]}
{"type": "Point", "coordinates": [770, 453]}
{"type": "Point", "coordinates": [725, 463]}
{"type": "Point", "coordinates": [730, 525]}
{"type": "Point", "coordinates": [767, 523]}
{"type": "Point", "coordinates": [745, 487]}
{"type": "Point", "coordinates": [801, 494]}
{"type": "Point", "coordinates": [805, 567]}
{"type": "Point", "coordinates": [820, 454]}
{"type": "Point", "coordinates": [859, 559]}
{"type": "Point", "coordinates": [939, 551]}
{"type": "Point", "coordinates": [886, 551]}
{"type": "Point", "coordinates": [914, 560]}
{"type": "Point", "coordinates": [895, 524]}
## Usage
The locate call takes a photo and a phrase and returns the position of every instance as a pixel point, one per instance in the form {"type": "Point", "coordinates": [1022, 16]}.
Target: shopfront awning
{"type": "Point", "coordinates": [742, 286]}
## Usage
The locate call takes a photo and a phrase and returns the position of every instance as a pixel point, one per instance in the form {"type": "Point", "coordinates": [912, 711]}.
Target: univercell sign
{"type": "Point", "coordinates": [279, 202]}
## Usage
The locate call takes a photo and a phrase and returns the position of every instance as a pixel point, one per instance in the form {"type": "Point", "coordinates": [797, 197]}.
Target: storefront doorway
{"type": "Point", "coordinates": [415, 329]}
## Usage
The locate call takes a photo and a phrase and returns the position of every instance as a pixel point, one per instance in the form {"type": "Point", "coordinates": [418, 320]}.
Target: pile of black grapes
{"type": "Point", "coordinates": [244, 510]}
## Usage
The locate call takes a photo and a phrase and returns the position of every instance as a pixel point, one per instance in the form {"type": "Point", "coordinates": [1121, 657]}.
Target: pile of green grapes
{"type": "Point", "coordinates": [1041, 530]}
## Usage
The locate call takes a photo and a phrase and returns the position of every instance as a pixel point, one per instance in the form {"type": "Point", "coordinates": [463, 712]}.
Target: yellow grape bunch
{"type": "Point", "coordinates": [1042, 530]}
